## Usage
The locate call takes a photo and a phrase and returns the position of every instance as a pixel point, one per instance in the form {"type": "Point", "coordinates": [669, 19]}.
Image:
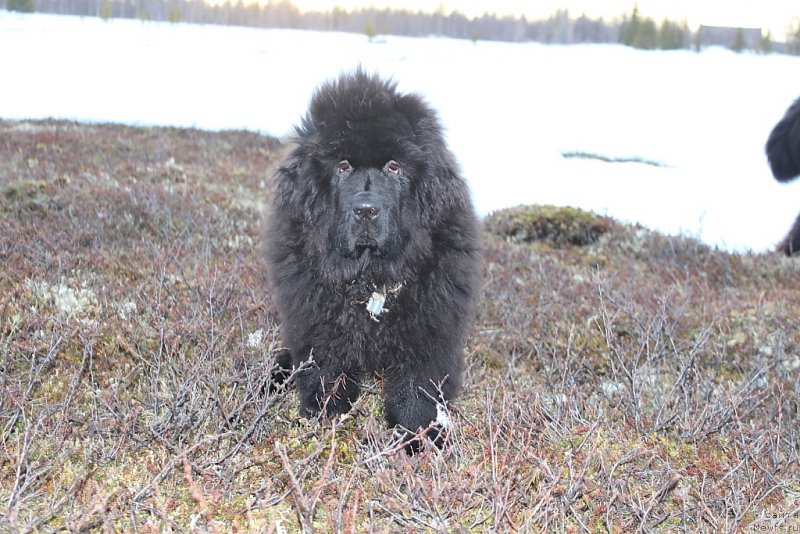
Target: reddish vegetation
{"type": "Point", "coordinates": [639, 382]}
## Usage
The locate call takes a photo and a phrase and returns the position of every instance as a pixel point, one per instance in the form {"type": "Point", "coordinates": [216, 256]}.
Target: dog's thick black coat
{"type": "Point", "coordinates": [783, 145]}
{"type": "Point", "coordinates": [783, 152]}
{"type": "Point", "coordinates": [370, 207]}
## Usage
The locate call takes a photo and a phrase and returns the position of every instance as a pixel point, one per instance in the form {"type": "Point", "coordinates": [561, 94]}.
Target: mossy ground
{"type": "Point", "coordinates": [635, 382]}
{"type": "Point", "coordinates": [556, 225]}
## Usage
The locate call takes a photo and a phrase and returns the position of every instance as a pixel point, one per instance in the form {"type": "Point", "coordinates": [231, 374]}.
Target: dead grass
{"type": "Point", "coordinates": [639, 383]}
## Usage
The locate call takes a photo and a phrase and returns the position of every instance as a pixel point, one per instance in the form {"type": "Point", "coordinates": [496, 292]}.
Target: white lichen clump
{"type": "Point", "coordinates": [240, 242]}
{"type": "Point", "coordinates": [127, 310]}
{"type": "Point", "coordinates": [69, 301]}
{"type": "Point", "coordinates": [255, 339]}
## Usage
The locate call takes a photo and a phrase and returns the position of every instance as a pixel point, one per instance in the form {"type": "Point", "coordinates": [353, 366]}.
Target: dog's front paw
{"type": "Point", "coordinates": [328, 398]}
{"type": "Point", "coordinates": [436, 432]}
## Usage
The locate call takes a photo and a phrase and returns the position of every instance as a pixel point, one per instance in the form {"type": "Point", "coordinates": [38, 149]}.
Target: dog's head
{"type": "Point", "coordinates": [370, 179]}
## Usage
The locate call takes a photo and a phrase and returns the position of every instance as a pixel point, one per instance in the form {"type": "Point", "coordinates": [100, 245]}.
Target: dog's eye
{"type": "Point", "coordinates": [344, 166]}
{"type": "Point", "coordinates": [393, 167]}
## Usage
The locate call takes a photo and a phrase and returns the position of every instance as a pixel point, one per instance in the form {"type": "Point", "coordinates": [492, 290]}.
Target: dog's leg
{"type": "Point", "coordinates": [330, 390]}
{"type": "Point", "coordinates": [417, 408]}
{"type": "Point", "coordinates": [791, 243]}
{"type": "Point", "coordinates": [281, 371]}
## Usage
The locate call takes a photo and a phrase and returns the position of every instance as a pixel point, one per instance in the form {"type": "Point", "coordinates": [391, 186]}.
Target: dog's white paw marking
{"type": "Point", "coordinates": [443, 417]}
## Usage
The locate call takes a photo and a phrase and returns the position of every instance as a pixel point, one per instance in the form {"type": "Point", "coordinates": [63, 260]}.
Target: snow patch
{"type": "Point", "coordinates": [705, 116]}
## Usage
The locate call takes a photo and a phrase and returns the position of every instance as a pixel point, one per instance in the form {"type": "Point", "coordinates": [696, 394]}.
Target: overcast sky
{"type": "Point", "coordinates": [775, 15]}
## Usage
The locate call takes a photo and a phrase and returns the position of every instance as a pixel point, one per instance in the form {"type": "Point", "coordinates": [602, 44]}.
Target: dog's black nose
{"type": "Point", "coordinates": [365, 206]}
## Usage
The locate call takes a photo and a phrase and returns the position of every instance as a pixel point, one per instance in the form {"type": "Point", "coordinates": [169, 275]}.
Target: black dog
{"type": "Point", "coordinates": [783, 152]}
{"type": "Point", "coordinates": [373, 253]}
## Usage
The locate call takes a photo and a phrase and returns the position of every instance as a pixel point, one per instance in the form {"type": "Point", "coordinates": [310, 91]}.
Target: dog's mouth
{"type": "Point", "coordinates": [364, 244]}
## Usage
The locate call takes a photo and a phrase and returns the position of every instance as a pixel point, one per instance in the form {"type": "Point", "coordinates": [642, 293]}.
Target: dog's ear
{"type": "Point", "coordinates": [783, 145]}
{"type": "Point", "coordinates": [298, 189]}
{"type": "Point", "coordinates": [441, 189]}
{"type": "Point", "coordinates": [287, 177]}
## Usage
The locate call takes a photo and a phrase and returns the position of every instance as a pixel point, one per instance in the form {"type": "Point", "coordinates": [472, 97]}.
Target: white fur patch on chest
{"type": "Point", "coordinates": [375, 303]}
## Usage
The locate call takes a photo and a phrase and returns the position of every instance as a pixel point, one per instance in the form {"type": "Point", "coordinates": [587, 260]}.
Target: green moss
{"type": "Point", "coordinates": [28, 196]}
{"type": "Point", "coordinates": [24, 190]}
{"type": "Point", "coordinates": [556, 225]}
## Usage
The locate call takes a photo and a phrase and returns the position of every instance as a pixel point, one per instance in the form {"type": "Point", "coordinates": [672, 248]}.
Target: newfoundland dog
{"type": "Point", "coordinates": [783, 152]}
{"type": "Point", "coordinates": [373, 256]}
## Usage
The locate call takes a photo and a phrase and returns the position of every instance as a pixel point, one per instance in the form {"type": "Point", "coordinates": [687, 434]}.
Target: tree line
{"type": "Point", "coordinates": [633, 29]}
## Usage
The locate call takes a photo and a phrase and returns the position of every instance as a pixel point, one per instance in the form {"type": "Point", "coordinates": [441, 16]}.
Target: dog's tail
{"type": "Point", "coordinates": [783, 145]}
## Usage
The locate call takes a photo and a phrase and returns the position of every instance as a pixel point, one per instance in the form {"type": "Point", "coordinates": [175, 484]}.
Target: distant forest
{"type": "Point", "coordinates": [633, 29]}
